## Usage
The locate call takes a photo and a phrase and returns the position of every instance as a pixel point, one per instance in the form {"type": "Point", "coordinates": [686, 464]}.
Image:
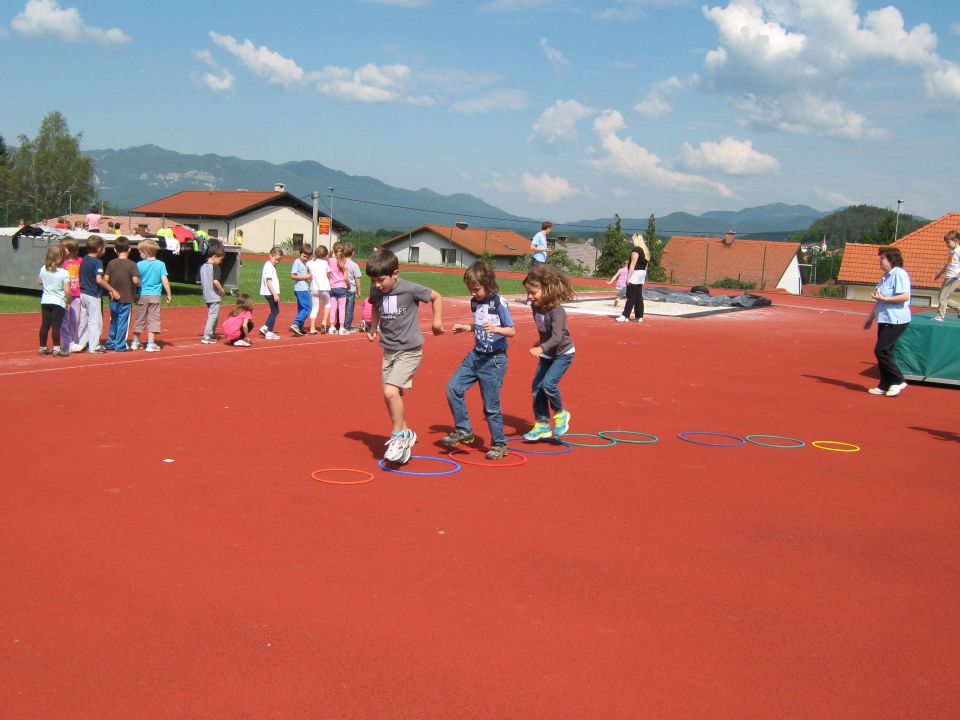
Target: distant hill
{"type": "Point", "coordinates": [133, 176]}
{"type": "Point", "coordinates": [859, 223]}
{"type": "Point", "coordinates": [771, 222]}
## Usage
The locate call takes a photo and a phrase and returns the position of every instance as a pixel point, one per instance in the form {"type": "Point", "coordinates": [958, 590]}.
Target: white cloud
{"type": "Point", "coordinates": [219, 83]}
{"type": "Point", "coordinates": [45, 17]}
{"type": "Point", "coordinates": [624, 157]}
{"type": "Point", "coordinates": [730, 156]}
{"type": "Point", "coordinates": [633, 10]}
{"type": "Point", "coordinates": [504, 99]}
{"type": "Point", "coordinates": [368, 84]}
{"type": "Point", "coordinates": [834, 199]}
{"type": "Point", "coordinates": [943, 81]}
{"type": "Point", "coordinates": [558, 123]}
{"type": "Point", "coordinates": [545, 188]}
{"type": "Point", "coordinates": [656, 104]}
{"type": "Point", "coordinates": [271, 66]}
{"type": "Point", "coordinates": [204, 56]}
{"type": "Point", "coordinates": [556, 59]}
{"type": "Point", "coordinates": [804, 113]}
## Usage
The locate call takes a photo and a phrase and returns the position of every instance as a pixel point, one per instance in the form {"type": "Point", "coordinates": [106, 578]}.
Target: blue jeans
{"type": "Point", "coordinates": [488, 370]}
{"type": "Point", "coordinates": [348, 313]}
{"type": "Point", "coordinates": [546, 390]}
{"type": "Point", "coordinates": [303, 307]}
{"type": "Point", "coordinates": [274, 312]}
{"type": "Point", "coordinates": [119, 325]}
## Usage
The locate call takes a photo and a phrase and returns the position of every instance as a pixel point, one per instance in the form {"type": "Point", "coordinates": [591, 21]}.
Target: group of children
{"type": "Point", "coordinates": [395, 319]}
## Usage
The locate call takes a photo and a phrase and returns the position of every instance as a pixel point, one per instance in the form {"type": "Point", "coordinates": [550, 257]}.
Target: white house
{"type": "Point", "coordinates": [460, 247]}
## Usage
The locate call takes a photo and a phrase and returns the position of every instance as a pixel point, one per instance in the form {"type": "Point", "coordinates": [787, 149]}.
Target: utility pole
{"type": "Point", "coordinates": [313, 229]}
{"type": "Point", "coordinates": [896, 227]}
{"type": "Point", "coordinates": [331, 217]}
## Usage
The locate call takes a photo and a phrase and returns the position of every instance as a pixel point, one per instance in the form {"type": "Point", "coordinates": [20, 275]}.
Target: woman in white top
{"type": "Point", "coordinates": [319, 289]}
{"type": "Point", "coordinates": [636, 277]}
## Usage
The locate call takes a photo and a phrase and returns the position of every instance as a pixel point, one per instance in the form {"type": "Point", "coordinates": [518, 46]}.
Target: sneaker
{"type": "Point", "coordinates": [457, 436]}
{"type": "Point", "coordinates": [241, 343]}
{"type": "Point", "coordinates": [877, 391]}
{"type": "Point", "coordinates": [938, 318]}
{"type": "Point", "coordinates": [45, 351]}
{"type": "Point", "coordinates": [99, 349]}
{"type": "Point", "coordinates": [639, 320]}
{"type": "Point", "coordinates": [344, 331]}
{"type": "Point", "coordinates": [331, 330]}
{"type": "Point", "coordinates": [394, 448]}
{"type": "Point", "coordinates": [895, 390]}
{"type": "Point", "coordinates": [272, 336]}
{"type": "Point", "coordinates": [152, 347]}
{"type": "Point", "coordinates": [59, 352]}
{"type": "Point", "coordinates": [264, 330]}
{"type": "Point", "coordinates": [409, 438]}
{"type": "Point", "coordinates": [297, 330]}
{"type": "Point", "coordinates": [135, 344]}
{"type": "Point", "coordinates": [74, 347]}
{"type": "Point", "coordinates": [561, 423]}
{"type": "Point", "coordinates": [621, 318]}
{"type": "Point", "coordinates": [208, 340]}
{"type": "Point", "coordinates": [539, 431]}
{"type": "Point", "coordinates": [497, 451]}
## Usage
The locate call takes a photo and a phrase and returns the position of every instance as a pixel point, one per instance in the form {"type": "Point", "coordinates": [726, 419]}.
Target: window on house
{"type": "Point", "coordinates": [414, 255]}
{"type": "Point", "coordinates": [448, 256]}
{"type": "Point", "coordinates": [213, 232]}
{"type": "Point", "coordinates": [298, 240]}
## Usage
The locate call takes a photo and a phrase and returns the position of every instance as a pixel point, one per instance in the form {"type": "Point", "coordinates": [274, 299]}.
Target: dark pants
{"type": "Point", "coordinates": [534, 264]}
{"type": "Point", "coordinates": [274, 312]}
{"type": "Point", "coordinates": [488, 370]}
{"type": "Point", "coordinates": [634, 301]}
{"type": "Point", "coordinates": [887, 336]}
{"type": "Point", "coordinates": [546, 385]}
{"type": "Point", "coordinates": [50, 318]}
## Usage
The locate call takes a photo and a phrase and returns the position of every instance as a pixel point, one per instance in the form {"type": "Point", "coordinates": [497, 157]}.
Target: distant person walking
{"type": "Point", "coordinates": [892, 313]}
{"type": "Point", "coordinates": [951, 271]}
{"type": "Point", "coordinates": [540, 247]}
{"type": "Point", "coordinates": [93, 220]}
{"type": "Point", "coordinates": [636, 277]}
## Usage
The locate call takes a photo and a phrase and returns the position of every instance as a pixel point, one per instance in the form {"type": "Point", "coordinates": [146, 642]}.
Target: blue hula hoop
{"type": "Point", "coordinates": [456, 466]}
{"type": "Point", "coordinates": [607, 433]}
{"type": "Point", "coordinates": [610, 441]}
{"type": "Point", "coordinates": [683, 436]}
{"type": "Point", "coordinates": [752, 439]}
{"type": "Point", "coordinates": [567, 447]}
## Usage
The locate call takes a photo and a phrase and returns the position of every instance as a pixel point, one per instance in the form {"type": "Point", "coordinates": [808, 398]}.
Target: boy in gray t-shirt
{"type": "Point", "coordinates": [396, 318]}
{"type": "Point", "coordinates": [212, 292]}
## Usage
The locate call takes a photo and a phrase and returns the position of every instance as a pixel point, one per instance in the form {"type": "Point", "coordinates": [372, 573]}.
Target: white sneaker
{"type": "Point", "coordinates": [152, 347]}
{"type": "Point", "coordinates": [241, 343]}
{"type": "Point", "coordinates": [344, 331]}
{"type": "Point", "coordinates": [621, 318]}
{"type": "Point", "coordinates": [639, 320]}
{"type": "Point", "coordinates": [877, 391]}
{"type": "Point", "coordinates": [937, 318]}
{"type": "Point", "coordinates": [264, 330]}
{"type": "Point", "coordinates": [896, 389]}
{"type": "Point", "coordinates": [135, 344]}
{"type": "Point", "coordinates": [331, 330]}
{"type": "Point", "coordinates": [272, 336]}
{"type": "Point", "coordinates": [394, 448]}
{"type": "Point", "coordinates": [409, 438]}
{"type": "Point", "coordinates": [75, 348]}
{"type": "Point", "coordinates": [208, 340]}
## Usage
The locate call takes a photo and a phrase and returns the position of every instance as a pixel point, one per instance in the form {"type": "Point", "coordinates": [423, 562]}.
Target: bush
{"type": "Point", "coordinates": [734, 284]}
{"type": "Point", "coordinates": [830, 291]}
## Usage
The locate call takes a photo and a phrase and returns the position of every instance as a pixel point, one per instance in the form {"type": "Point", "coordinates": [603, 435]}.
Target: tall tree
{"type": "Point", "coordinates": [655, 271]}
{"type": "Point", "coordinates": [614, 250]}
{"type": "Point", "coordinates": [42, 170]}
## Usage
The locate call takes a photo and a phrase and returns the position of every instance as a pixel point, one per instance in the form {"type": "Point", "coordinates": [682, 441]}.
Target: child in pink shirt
{"type": "Point", "coordinates": [338, 289]}
{"type": "Point", "coordinates": [239, 323]}
{"type": "Point", "coordinates": [620, 278]}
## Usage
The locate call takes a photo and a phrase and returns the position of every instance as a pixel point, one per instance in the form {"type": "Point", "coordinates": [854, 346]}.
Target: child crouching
{"type": "Point", "coordinates": [239, 323]}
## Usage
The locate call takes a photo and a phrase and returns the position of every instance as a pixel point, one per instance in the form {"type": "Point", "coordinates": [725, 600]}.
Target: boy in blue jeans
{"type": "Point", "coordinates": [301, 289]}
{"type": "Point", "coordinates": [123, 277]}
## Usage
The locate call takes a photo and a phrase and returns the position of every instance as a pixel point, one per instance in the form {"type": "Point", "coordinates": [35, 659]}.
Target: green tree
{"type": "Point", "coordinates": [41, 170]}
{"type": "Point", "coordinates": [613, 252]}
{"type": "Point", "coordinates": [883, 234]}
{"type": "Point", "coordinates": [655, 270]}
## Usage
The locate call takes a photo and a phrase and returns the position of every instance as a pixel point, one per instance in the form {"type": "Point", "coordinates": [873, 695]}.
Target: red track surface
{"type": "Point", "coordinates": [658, 581]}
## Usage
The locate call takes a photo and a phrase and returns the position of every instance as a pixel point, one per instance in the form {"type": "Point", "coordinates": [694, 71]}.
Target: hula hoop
{"type": "Point", "coordinates": [456, 466]}
{"type": "Point", "coordinates": [753, 441]}
{"type": "Point", "coordinates": [683, 436]}
{"type": "Point", "coordinates": [610, 441]}
{"type": "Point", "coordinates": [606, 434]}
{"type": "Point", "coordinates": [315, 473]}
{"type": "Point", "coordinates": [492, 464]}
{"type": "Point", "coordinates": [567, 447]}
{"type": "Point", "coordinates": [847, 447]}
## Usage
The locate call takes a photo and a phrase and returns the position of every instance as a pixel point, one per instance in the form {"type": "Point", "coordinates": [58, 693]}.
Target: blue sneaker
{"type": "Point", "coordinates": [561, 423]}
{"type": "Point", "coordinates": [539, 431]}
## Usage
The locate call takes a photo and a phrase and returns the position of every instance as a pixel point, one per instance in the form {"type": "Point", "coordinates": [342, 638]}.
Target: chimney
{"type": "Point", "coordinates": [279, 187]}
{"type": "Point", "coordinates": [729, 238]}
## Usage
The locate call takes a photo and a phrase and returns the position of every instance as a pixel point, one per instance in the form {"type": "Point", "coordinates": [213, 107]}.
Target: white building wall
{"type": "Point", "coordinates": [430, 246]}
{"type": "Point", "coordinates": [791, 280]}
{"type": "Point", "coordinates": [918, 297]}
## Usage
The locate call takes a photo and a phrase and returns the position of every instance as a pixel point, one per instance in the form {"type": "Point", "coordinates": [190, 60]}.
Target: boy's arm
{"type": "Point", "coordinates": [274, 293]}
{"type": "Point", "coordinates": [942, 270]}
{"type": "Point", "coordinates": [436, 304]}
{"type": "Point", "coordinates": [374, 322]}
{"type": "Point", "coordinates": [104, 282]}
{"type": "Point", "coordinates": [166, 287]}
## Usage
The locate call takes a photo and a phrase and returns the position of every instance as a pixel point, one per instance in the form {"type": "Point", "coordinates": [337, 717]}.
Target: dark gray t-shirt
{"type": "Point", "coordinates": [400, 314]}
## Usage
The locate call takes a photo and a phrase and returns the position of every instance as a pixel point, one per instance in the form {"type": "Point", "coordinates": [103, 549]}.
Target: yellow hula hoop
{"type": "Point", "coordinates": [847, 447]}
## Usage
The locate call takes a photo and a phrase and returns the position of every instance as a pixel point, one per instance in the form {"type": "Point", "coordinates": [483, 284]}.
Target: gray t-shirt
{"type": "Point", "coordinates": [353, 274]}
{"type": "Point", "coordinates": [208, 273]}
{"type": "Point", "coordinates": [400, 314]}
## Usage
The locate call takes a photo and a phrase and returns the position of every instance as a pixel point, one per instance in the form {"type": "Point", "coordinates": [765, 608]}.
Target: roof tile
{"type": "Point", "coordinates": [704, 260]}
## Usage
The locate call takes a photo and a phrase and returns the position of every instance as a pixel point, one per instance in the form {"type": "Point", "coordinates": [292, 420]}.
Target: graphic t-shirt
{"type": "Point", "coordinates": [400, 314]}
{"type": "Point", "coordinates": [90, 268]}
{"type": "Point", "coordinates": [120, 275]}
{"type": "Point", "coordinates": [493, 310]}
{"type": "Point", "coordinates": [151, 272]}
{"type": "Point", "coordinates": [72, 266]}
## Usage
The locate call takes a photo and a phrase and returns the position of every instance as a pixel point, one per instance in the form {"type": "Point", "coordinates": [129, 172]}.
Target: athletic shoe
{"type": "Point", "coordinates": [74, 347]}
{"type": "Point", "coordinates": [272, 336]}
{"type": "Point", "coordinates": [540, 431]}
{"type": "Point", "coordinates": [99, 349]}
{"type": "Point", "coordinates": [639, 320]}
{"type": "Point", "coordinates": [331, 330]}
{"type": "Point", "coordinates": [135, 344]}
{"type": "Point", "coordinates": [296, 329]}
{"type": "Point", "coordinates": [938, 318]}
{"type": "Point", "coordinates": [45, 351]}
{"type": "Point", "coordinates": [152, 347]}
{"type": "Point", "coordinates": [344, 331]}
{"type": "Point", "coordinates": [59, 352]}
{"type": "Point", "coordinates": [896, 390]}
{"type": "Point", "coordinates": [877, 391]}
{"type": "Point", "coordinates": [241, 343]}
{"type": "Point", "coordinates": [561, 423]}
{"type": "Point", "coordinates": [497, 451]}
{"type": "Point", "coordinates": [409, 438]}
{"type": "Point", "coordinates": [264, 330]}
{"type": "Point", "coordinates": [208, 340]}
{"type": "Point", "coordinates": [457, 436]}
{"type": "Point", "coordinates": [621, 318]}
{"type": "Point", "coordinates": [394, 448]}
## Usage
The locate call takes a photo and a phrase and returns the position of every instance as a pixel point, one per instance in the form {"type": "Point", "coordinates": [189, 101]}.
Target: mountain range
{"type": "Point", "coordinates": [134, 176]}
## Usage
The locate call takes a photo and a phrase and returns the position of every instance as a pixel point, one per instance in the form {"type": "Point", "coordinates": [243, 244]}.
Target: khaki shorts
{"type": "Point", "coordinates": [148, 314]}
{"type": "Point", "coordinates": [399, 367]}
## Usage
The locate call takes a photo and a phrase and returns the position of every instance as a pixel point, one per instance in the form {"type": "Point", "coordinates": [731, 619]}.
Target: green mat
{"type": "Point", "coordinates": [930, 350]}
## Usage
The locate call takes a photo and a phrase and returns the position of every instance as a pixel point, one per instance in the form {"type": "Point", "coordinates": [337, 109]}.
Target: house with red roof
{"type": "Point", "coordinates": [924, 254]}
{"type": "Point", "coordinates": [692, 261]}
{"type": "Point", "coordinates": [457, 246]}
{"type": "Point", "coordinates": [266, 218]}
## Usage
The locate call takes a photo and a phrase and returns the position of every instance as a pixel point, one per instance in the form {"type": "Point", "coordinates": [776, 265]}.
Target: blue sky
{"type": "Point", "coordinates": [546, 108]}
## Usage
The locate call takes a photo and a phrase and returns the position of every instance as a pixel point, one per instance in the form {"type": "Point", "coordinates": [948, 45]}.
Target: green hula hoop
{"type": "Point", "coordinates": [752, 439]}
{"type": "Point", "coordinates": [606, 434]}
{"type": "Point", "coordinates": [563, 438]}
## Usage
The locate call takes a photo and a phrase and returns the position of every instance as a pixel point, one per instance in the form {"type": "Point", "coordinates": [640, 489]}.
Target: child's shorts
{"type": "Point", "coordinates": [622, 292]}
{"type": "Point", "coordinates": [148, 314]}
{"type": "Point", "coordinates": [399, 366]}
